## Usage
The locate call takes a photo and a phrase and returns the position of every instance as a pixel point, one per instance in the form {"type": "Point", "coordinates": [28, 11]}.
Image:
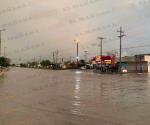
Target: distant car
{"type": "Point", "coordinates": [89, 66]}
{"type": "Point", "coordinates": [124, 70]}
{"type": "Point", "coordinates": [83, 68]}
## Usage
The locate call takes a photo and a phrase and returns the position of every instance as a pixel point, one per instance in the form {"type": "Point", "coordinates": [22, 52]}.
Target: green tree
{"type": "Point", "coordinates": [4, 62]}
{"type": "Point", "coordinates": [45, 63]}
{"type": "Point", "coordinates": [23, 65]}
{"type": "Point", "coordinates": [82, 63]}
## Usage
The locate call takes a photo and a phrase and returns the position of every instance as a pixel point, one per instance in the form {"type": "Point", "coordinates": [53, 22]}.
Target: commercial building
{"type": "Point", "coordinates": [138, 63]}
{"type": "Point", "coordinates": [143, 57]}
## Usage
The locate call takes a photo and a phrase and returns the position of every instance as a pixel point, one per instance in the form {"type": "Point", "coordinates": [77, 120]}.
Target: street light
{"type": "Point", "coordinates": [101, 48]}
{"type": "Point", "coordinates": [1, 39]}
{"type": "Point", "coordinates": [77, 42]}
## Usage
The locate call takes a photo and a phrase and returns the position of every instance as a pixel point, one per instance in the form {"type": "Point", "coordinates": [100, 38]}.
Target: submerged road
{"type": "Point", "coordinates": [44, 97]}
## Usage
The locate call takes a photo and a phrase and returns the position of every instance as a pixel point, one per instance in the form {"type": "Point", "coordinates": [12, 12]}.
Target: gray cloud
{"type": "Point", "coordinates": [37, 28]}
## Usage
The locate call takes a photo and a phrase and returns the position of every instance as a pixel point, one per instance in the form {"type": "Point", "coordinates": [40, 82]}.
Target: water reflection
{"type": "Point", "coordinates": [2, 78]}
{"type": "Point", "coordinates": [74, 98]}
{"type": "Point", "coordinates": [76, 103]}
{"type": "Point", "coordinates": [125, 90]}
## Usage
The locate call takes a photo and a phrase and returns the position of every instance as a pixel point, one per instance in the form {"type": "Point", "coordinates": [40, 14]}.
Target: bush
{"type": "Point", "coordinates": [4, 62]}
{"type": "Point", "coordinates": [45, 63]}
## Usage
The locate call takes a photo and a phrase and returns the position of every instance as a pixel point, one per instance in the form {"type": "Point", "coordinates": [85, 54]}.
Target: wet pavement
{"type": "Point", "coordinates": [43, 97]}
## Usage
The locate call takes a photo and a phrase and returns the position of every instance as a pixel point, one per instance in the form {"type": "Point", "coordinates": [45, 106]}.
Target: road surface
{"type": "Point", "coordinates": [44, 97]}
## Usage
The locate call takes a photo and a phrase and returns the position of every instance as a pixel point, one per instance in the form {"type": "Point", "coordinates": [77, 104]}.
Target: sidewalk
{"type": "Point", "coordinates": [3, 70]}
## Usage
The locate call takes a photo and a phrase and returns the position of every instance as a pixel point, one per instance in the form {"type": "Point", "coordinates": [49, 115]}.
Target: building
{"type": "Point", "coordinates": [143, 57]}
{"type": "Point", "coordinates": [108, 60]}
{"type": "Point", "coordinates": [138, 63]}
{"type": "Point", "coordinates": [128, 59]}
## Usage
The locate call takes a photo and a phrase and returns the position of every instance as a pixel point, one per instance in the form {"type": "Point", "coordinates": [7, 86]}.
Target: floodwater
{"type": "Point", "coordinates": [44, 97]}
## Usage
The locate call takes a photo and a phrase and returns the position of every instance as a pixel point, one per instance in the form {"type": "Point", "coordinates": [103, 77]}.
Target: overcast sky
{"type": "Point", "coordinates": [36, 28]}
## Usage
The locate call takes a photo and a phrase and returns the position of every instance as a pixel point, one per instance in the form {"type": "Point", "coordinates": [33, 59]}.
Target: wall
{"type": "Point", "coordinates": [147, 58]}
{"type": "Point", "coordinates": [138, 66]}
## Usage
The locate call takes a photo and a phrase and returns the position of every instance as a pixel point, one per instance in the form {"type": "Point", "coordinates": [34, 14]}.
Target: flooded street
{"type": "Point", "coordinates": [44, 97]}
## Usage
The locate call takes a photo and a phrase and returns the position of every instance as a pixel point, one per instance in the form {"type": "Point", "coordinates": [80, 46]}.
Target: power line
{"type": "Point", "coordinates": [133, 47]}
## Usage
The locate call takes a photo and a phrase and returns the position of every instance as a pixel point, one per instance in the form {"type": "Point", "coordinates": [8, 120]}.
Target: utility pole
{"type": "Point", "coordinates": [86, 52]}
{"type": "Point", "coordinates": [34, 59]}
{"type": "Point", "coordinates": [120, 36]}
{"type": "Point", "coordinates": [70, 59]}
{"type": "Point", "coordinates": [1, 40]}
{"type": "Point", "coordinates": [57, 52]}
{"type": "Point", "coordinates": [5, 51]}
{"type": "Point", "coordinates": [53, 60]}
{"type": "Point", "coordinates": [101, 48]}
{"type": "Point", "coordinates": [53, 57]}
{"type": "Point", "coordinates": [40, 59]}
